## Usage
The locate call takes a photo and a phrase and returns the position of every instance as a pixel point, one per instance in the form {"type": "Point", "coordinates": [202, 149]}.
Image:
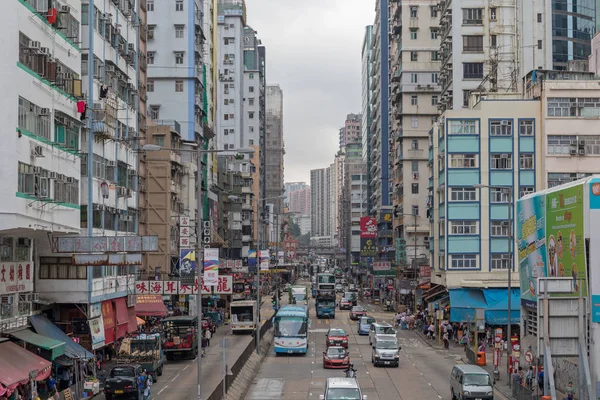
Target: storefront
{"type": "Point", "coordinates": [150, 305]}
{"type": "Point", "coordinates": [48, 348]}
{"type": "Point", "coordinates": [20, 370]}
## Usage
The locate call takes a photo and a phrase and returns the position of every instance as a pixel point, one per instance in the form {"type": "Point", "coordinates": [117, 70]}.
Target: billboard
{"type": "Point", "coordinates": [211, 266]}
{"type": "Point", "coordinates": [368, 228]}
{"type": "Point", "coordinates": [368, 247]}
{"type": "Point", "coordinates": [382, 266]}
{"type": "Point", "coordinates": [594, 250]}
{"type": "Point", "coordinates": [252, 258]}
{"type": "Point", "coordinates": [187, 265]}
{"type": "Point", "coordinates": [264, 260]}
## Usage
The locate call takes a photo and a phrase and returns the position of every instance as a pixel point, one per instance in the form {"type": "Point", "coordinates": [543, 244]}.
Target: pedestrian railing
{"type": "Point", "coordinates": [471, 355]}
{"type": "Point", "coordinates": [521, 392]}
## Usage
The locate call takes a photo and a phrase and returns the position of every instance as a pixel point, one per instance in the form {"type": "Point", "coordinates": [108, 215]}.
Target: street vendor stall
{"type": "Point", "coordinates": [19, 367]}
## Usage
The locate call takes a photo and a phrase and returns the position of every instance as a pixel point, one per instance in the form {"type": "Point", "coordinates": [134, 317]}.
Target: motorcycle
{"type": "Point", "coordinates": [350, 372]}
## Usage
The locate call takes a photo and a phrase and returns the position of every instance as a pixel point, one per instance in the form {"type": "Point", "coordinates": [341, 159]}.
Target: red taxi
{"type": "Point", "coordinates": [336, 357]}
{"type": "Point", "coordinates": [337, 337]}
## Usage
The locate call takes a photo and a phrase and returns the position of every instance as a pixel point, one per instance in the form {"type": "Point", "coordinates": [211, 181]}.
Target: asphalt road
{"type": "Point", "coordinates": [424, 372]}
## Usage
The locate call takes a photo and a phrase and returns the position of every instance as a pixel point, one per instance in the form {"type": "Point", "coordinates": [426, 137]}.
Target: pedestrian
{"type": "Point", "coordinates": [65, 378]}
{"type": "Point", "coordinates": [207, 335]}
{"type": "Point", "coordinates": [148, 387]}
{"type": "Point", "coordinates": [431, 331]}
{"type": "Point", "coordinates": [541, 380]}
{"type": "Point", "coordinates": [142, 382]}
{"type": "Point", "coordinates": [529, 378]}
{"type": "Point", "coordinates": [517, 378]}
{"type": "Point", "coordinates": [570, 391]}
{"type": "Point", "coordinates": [446, 341]}
{"type": "Point", "coordinates": [51, 385]}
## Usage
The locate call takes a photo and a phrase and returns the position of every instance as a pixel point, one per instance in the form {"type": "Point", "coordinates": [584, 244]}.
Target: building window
{"type": "Point", "coordinates": [251, 114]}
{"type": "Point", "coordinates": [61, 268]}
{"type": "Point", "coordinates": [251, 142]}
{"type": "Point", "coordinates": [251, 76]}
{"type": "Point", "coordinates": [434, 100]}
{"type": "Point", "coordinates": [225, 132]}
{"type": "Point", "coordinates": [493, 14]}
{"type": "Point", "coordinates": [472, 70]}
{"type": "Point", "coordinates": [558, 178]}
{"type": "Point", "coordinates": [414, 78]}
{"type": "Point", "coordinates": [251, 89]}
{"type": "Point", "coordinates": [573, 107]}
{"type": "Point", "coordinates": [414, 166]}
{"type": "Point", "coordinates": [539, 45]}
{"type": "Point", "coordinates": [179, 86]}
{"type": "Point", "coordinates": [414, 188]}
{"type": "Point", "coordinates": [434, 33]}
{"type": "Point", "coordinates": [154, 111]}
{"type": "Point", "coordinates": [463, 227]}
{"type": "Point", "coordinates": [473, 44]}
{"type": "Point", "coordinates": [251, 101]}
{"type": "Point", "coordinates": [463, 160]}
{"type": "Point", "coordinates": [414, 100]}
{"type": "Point", "coordinates": [414, 122]}
{"type": "Point", "coordinates": [501, 127]}
{"type": "Point", "coordinates": [159, 140]}
{"type": "Point", "coordinates": [179, 57]}
{"type": "Point", "coordinates": [179, 5]}
{"type": "Point", "coordinates": [433, 11]}
{"type": "Point", "coordinates": [562, 144]}
{"type": "Point", "coordinates": [435, 56]}
{"type": "Point", "coordinates": [413, 34]}
{"type": "Point", "coordinates": [434, 77]}
{"type": "Point", "coordinates": [463, 261]}
{"type": "Point", "coordinates": [493, 40]}
{"type": "Point", "coordinates": [466, 96]}
{"type": "Point", "coordinates": [525, 190]}
{"type": "Point", "coordinates": [499, 195]}
{"type": "Point", "coordinates": [414, 10]}
{"type": "Point", "coordinates": [34, 119]}
{"type": "Point", "coordinates": [500, 262]}
{"type": "Point", "coordinates": [179, 31]}
{"type": "Point", "coordinates": [414, 144]}
{"type": "Point", "coordinates": [526, 127]}
{"type": "Point", "coordinates": [415, 210]}
{"type": "Point", "coordinates": [500, 228]}
{"type": "Point", "coordinates": [150, 86]}
{"type": "Point", "coordinates": [501, 161]}
{"type": "Point", "coordinates": [526, 161]}
{"type": "Point", "coordinates": [463, 194]}
{"type": "Point", "coordinates": [151, 31]}
{"type": "Point", "coordinates": [472, 16]}
{"type": "Point", "coordinates": [150, 57]}
{"type": "Point", "coordinates": [463, 127]}
{"type": "Point", "coordinates": [414, 56]}
{"type": "Point", "coordinates": [539, 18]}
{"type": "Point", "coordinates": [150, 5]}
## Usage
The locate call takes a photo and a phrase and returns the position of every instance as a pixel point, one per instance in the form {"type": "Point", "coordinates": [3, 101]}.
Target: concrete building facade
{"type": "Point", "coordinates": [320, 200]}
{"type": "Point", "coordinates": [300, 201]}
{"type": "Point", "coordinates": [366, 88]}
{"type": "Point", "coordinates": [351, 131]}
{"type": "Point", "coordinates": [274, 147]}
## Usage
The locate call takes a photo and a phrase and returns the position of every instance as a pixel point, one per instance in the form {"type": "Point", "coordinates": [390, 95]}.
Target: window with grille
{"type": "Point", "coordinates": [463, 194]}
{"type": "Point", "coordinates": [501, 127]}
{"type": "Point", "coordinates": [463, 160]}
{"type": "Point", "coordinates": [472, 16]}
{"type": "Point", "coordinates": [501, 161]}
{"type": "Point", "coordinates": [472, 70]}
{"type": "Point", "coordinates": [500, 262]}
{"type": "Point", "coordinates": [463, 227]}
{"type": "Point", "coordinates": [526, 127]}
{"type": "Point", "coordinates": [463, 261]}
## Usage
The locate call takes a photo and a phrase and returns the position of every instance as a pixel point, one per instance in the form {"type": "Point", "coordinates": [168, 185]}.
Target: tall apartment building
{"type": "Point", "coordinates": [478, 45]}
{"type": "Point", "coordinates": [41, 83]}
{"type": "Point", "coordinates": [337, 187]}
{"type": "Point", "coordinates": [352, 205]}
{"type": "Point", "coordinates": [274, 147]}
{"type": "Point", "coordinates": [292, 187]}
{"type": "Point", "coordinates": [300, 201]}
{"type": "Point", "coordinates": [366, 132]}
{"type": "Point", "coordinates": [142, 72]}
{"type": "Point", "coordinates": [351, 131]}
{"type": "Point", "coordinates": [320, 200]}
{"type": "Point", "coordinates": [415, 94]}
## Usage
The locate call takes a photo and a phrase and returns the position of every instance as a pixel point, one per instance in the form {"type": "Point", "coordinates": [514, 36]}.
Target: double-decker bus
{"type": "Point", "coordinates": [291, 330]}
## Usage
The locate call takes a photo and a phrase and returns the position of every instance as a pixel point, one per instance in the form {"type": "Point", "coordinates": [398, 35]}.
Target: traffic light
{"type": "Point", "coordinates": [274, 300]}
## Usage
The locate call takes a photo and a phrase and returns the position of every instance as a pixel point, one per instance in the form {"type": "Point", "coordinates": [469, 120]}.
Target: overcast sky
{"type": "Point", "coordinates": [313, 52]}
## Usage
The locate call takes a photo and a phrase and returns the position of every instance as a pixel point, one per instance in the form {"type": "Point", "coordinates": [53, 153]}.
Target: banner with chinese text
{"type": "Point", "coordinates": [224, 285]}
{"type": "Point", "coordinates": [264, 260]}
{"type": "Point", "coordinates": [211, 266]}
{"type": "Point", "coordinates": [368, 227]}
{"type": "Point", "coordinates": [16, 277]}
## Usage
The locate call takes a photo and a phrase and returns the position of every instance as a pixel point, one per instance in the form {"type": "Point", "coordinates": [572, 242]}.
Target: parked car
{"type": "Point", "coordinates": [345, 304]}
{"type": "Point", "coordinates": [122, 381]}
{"type": "Point", "coordinates": [357, 312]}
{"type": "Point", "coordinates": [336, 357]}
{"type": "Point", "coordinates": [364, 325]}
{"type": "Point", "coordinates": [337, 337]}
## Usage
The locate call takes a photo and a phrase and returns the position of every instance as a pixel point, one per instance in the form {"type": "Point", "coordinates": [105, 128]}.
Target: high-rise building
{"type": "Point", "coordinates": [415, 96]}
{"type": "Point", "coordinates": [275, 147]}
{"type": "Point", "coordinates": [337, 187]}
{"type": "Point", "coordinates": [292, 187]}
{"type": "Point", "coordinates": [351, 131]}
{"type": "Point", "coordinates": [478, 50]}
{"type": "Point", "coordinates": [367, 94]}
{"type": "Point", "coordinates": [320, 199]}
{"type": "Point", "coordinates": [142, 72]}
{"type": "Point", "coordinates": [300, 201]}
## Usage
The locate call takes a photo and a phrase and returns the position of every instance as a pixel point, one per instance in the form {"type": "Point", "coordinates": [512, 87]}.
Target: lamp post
{"type": "Point", "coordinates": [510, 192]}
{"type": "Point", "coordinates": [199, 153]}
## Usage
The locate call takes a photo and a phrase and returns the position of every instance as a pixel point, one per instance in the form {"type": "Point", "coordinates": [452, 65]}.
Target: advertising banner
{"type": "Point", "coordinates": [565, 235]}
{"type": "Point", "coordinates": [16, 277]}
{"type": "Point", "coordinates": [97, 332]}
{"type": "Point", "coordinates": [368, 248]}
{"type": "Point", "coordinates": [400, 251]}
{"type": "Point", "coordinates": [211, 266]}
{"type": "Point", "coordinates": [382, 266]}
{"type": "Point", "coordinates": [368, 227]}
{"type": "Point", "coordinates": [281, 257]}
{"type": "Point", "coordinates": [252, 258]}
{"type": "Point", "coordinates": [385, 217]}
{"type": "Point", "coordinates": [531, 245]}
{"type": "Point", "coordinates": [594, 230]}
{"type": "Point", "coordinates": [187, 265]}
{"type": "Point", "coordinates": [264, 260]}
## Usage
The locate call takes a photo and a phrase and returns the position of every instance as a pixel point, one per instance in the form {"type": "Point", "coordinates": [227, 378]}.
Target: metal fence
{"type": "Point", "coordinates": [520, 392]}
{"type": "Point", "coordinates": [471, 355]}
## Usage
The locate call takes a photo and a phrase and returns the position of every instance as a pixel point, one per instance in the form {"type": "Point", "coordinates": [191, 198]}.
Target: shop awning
{"type": "Point", "coordinates": [133, 320]}
{"type": "Point", "coordinates": [463, 303]}
{"type": "Point", "coordinates": [122, 317]}
{"type": "Point", "coordinates": [18, 366]}
{"type": "Point", "coordinates": [45, 327]}
{"type": "Point", "coordinates": [434, 292]}
{"type": "Point", "coordinates": [150, 305]}
{"type": "Point", "coordinates": [55, 347]}
{"type": "Point", "coordinates": [497, 306]}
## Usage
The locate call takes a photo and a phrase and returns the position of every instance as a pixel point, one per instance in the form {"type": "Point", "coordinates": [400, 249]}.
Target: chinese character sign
{"type": "Point", "coordinates": [368, 227]}
{"type": "Point", "coordinates": [211, 267]}
{"type": "Point", "coordinates": [264, 260]}
{"type": "Point", "coordinates": [280, 257]}
{"type": "Point", "coordinates": [367, 248]}
{"type": "Point", "coordinates": [187, 265]}
{"type": "Point", "coordinates": [16, 277]}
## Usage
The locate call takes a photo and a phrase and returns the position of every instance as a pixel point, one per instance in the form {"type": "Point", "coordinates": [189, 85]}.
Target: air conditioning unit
{"type": "Point", "coordinates": [581, 142]}
{"type": "Point", "coordinates": [37, 170]}
{"type": "Point", "coordinates": [110, 163]}
{"type": "Point", "coordinates": [132, 172]}
{"type": "Point", "coordinates": [70, 179]}
{"type": "Point", "coordinates": [45, 50]}
{"type": "Point", "coordinates": [503, 155]}
{"type": "Point", "coordinates": [131, 47]}
{"type": "Point", "coordinates": [44, 111]}
{"type": "Point", "coordinates": [415, 175]}
{"type": "Point", "coordinates": [37, 151]}
{"type": "Point", "coordinates": [582, 152]}
{"type": "Point", "coordinates": [505, 223]}
{"type": "Point", "coordinates": [573, 151]}
{"type": "Point", "coordinates": [109, 68]}
{"type": "Point", "coordinates": [65, 9]}
{"type": "Point", "coordinates": [504, 122]}
{"type": "Point", "coordinates": [52, 175]}
{"type": "Point", "coordinates": [106, 16]}
{"type": "Point", "coordinates": [34, 44]}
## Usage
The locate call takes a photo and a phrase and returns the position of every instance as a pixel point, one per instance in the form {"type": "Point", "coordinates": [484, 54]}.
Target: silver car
{"type": "Point", "coordinates": [342, 388]}
{"type": "Point", "coordinates": [381, 331]}
{"type": "Point", "coordinates": [386, 352]}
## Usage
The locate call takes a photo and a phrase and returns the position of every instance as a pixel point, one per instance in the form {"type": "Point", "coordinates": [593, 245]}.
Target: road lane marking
{"type": "Point", "coordinates": [191, 364]}
{"type": "Point", "coordinates": [175, 377]}
{"type": "Point", "coordinates": [166, 386]}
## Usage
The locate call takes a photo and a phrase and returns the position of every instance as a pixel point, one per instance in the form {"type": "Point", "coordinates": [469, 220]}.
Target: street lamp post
{"type": "Point", "coordinates": [199, 153]}
{"type": "Point", "coordinates": [510, 191]}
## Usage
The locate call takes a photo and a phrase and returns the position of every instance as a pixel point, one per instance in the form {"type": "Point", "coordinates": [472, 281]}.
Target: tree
{"type": "Point", "coordinates": [294, 229]}
{"type": "Point", "coordinates": [304, 240]}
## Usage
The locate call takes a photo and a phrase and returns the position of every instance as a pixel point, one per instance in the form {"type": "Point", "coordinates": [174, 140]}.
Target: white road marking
{"type": "Point", "coordinates": [191, 364]}
{"type": "Point", "coordinates": [166, 386]}
{"type": "Point", "coordinates": [175, 377]}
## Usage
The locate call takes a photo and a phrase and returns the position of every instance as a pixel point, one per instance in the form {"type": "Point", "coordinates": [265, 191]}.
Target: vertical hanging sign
{"type": "Point", "coordinates": [211, 267]}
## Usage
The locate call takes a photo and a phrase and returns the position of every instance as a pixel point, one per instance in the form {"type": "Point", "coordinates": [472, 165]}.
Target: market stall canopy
{"type": "Point", "coordinates": [150, 305]}
{"type": "Point", "coordinates": [463, 303]}
{"type": "Point", "coordinates": [45, 327]}
{"type": "Point", "coordinates": [140, 321]}
{"type": "Point", "coordinates": [55, 347]}
{"type": "Point", "coordinates": [497, 309]}
{"type": "Point", "coordinates": [18, 366]}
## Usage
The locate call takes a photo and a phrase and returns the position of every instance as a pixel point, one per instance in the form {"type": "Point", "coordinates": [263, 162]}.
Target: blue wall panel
{"type": "Point", "coordinates": [501, 178]}
{"type": "Point", "coordinates": [463, 244]}
{"type": "Point", "coordinates": [499, 245]}
{"type": "Point", "coordinates": [463, 211]}
{"type": "Point", "coordinates": [463, 144]}
{"type": "Point", "coordinates": [442, 243]}
{"type": "Point", "coordinates": [526, 145]}
{"type": "Point", "coordinates": [527, 178]}
{"type": "Point", "coordinates": [501, 145]}
{"type": "Point", "coordinates": [463, 177]}
{"type": "Point", "coordinates": [499, 211]}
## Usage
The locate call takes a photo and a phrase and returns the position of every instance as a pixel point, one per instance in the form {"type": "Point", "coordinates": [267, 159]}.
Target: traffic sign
{"type": "Point", "coordinates": [529, 356]}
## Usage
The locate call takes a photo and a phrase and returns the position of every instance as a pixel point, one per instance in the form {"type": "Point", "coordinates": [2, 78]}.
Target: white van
{"type": "Point", "coordinates": [470, 382]}
{"type": "Point", "coordinates": [381, 331]}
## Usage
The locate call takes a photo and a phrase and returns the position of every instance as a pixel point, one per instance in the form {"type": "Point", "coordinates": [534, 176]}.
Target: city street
{"type": "Point", "coordinates": [424, 372]}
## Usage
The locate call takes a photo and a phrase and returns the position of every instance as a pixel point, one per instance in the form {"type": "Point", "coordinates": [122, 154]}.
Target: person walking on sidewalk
{"type": "Point", "coordinates": [446, 340]}
{"type": "Point", "coordinates": [529, 378]}
{"type": "Point", "coordinates": [570, 391]}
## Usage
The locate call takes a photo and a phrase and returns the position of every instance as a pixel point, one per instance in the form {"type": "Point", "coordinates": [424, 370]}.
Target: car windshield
{"type": "Point", "coordinates": [336, 351]}
{"type": "Point", "coordinates": [290, 327]}
{"type": "Point", "coordinates": [122, 372]}
{"type": "Point", "coordinates": [300, 297]}
{"type": "Point", "coordinates": [337, 332]}
{"type": "Point", "coordinates": [357, 308]}
{"type": "Point", "coordinates": [477, 380]}
{"type": "Point", "coordinates": [366, 320]}
{"type": "Point", "coordinates": [327, 303]}
{"type": "Point", "coordinates": [387, 345]}
{"type": "Point", "coordinates": [343, 394]}
{"type": "Point", "coordinates": [345, 300]}
{"type": "Point", "coordinates": [386, 330]}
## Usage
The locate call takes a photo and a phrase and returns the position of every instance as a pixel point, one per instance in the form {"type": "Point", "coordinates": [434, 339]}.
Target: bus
{"type": "Point", "coordinates": [296, 308]}
{"type": "Point", "coordinates": [325, 282]}
{"type": "Point", "coordinates": [291, 331]}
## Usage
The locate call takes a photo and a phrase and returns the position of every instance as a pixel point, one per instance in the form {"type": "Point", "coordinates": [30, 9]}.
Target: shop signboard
{"type": "Point", "coordinates": [211, 266]}
{"type": "Point", "coordinates": [16, 277]}
{"type": "Point", "coordinates": [368, 248]}
{"type": "Point", "coordinates": [187, 265]}
{"type": "Point", "coordinates": [382, 266]}
{"type": "Point", "coordinates": [368, 228]}
{"type": "Point", "coordinates": [97, 332]}
{"type": "Point", "coordinates": [224, 285]}
{"type": "Point", "coordinates": [95, 310]}
{"type": "Point", "coordinates": [281, 257]}
{"type": "Point", "coordinates": [252, 258]}
{"type": "Point", "coordinates": [400, 251]}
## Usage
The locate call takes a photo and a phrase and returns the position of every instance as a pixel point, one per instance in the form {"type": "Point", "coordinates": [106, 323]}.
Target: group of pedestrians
{"type": "Point", "coordinates": [145, 384]}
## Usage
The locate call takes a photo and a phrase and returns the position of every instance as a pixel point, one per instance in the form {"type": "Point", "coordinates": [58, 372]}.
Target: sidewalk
{"type": "Point", "coordinates": [501, 385]}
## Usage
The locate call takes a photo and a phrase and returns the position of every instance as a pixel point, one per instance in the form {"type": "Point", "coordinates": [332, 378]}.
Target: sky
{"type": "Point", "coordinates": [314, 53]}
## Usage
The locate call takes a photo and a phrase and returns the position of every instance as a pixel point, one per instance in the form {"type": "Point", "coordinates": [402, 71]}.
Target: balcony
{"type": "Point", "coordinates": [246, 238]}
{"type": "Point", "coordinates": [247, 222]}
{"type": "Point", "coordinates": [246, 190]}
{"type": "Point", "coordinates": [246, 206]}
{"type": "Point", "coordinates": [175, 157]}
